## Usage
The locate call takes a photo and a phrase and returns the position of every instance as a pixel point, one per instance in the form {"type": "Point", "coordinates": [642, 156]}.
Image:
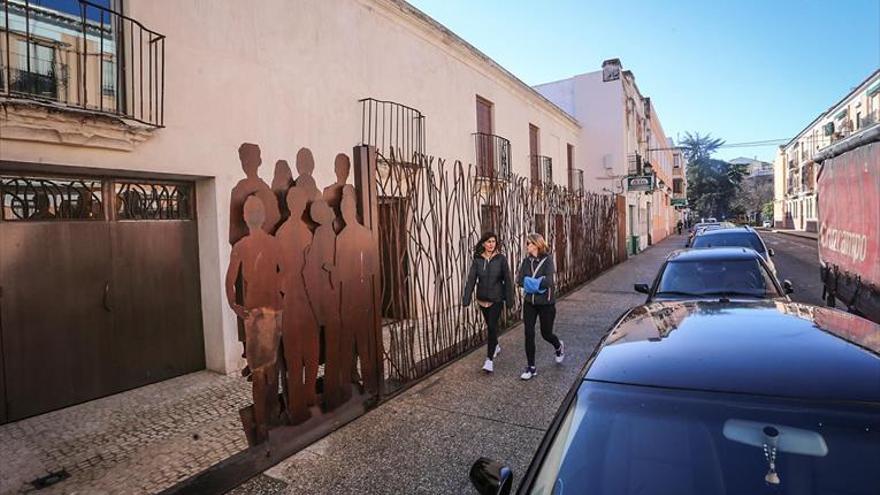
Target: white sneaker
{"type": "Point", "coordinates": [497, 351]}
{"type": "Point", "coordinates": [530, 372]}
{"type": "Point", "coordinates": [488, 367]}
{"type": "Point", "coordinates": [560, 353]}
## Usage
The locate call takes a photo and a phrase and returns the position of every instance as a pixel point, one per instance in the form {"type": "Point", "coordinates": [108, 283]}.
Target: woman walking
{"type": "Point", "coordinates": [491, 275]}
{"type": "Point", "coordinates": [539, 300]}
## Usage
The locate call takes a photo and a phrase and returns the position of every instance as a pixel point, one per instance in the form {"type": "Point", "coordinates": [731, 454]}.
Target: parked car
{"type": "Point", "coordinates": [715, 273]}
{"type": "Point", "coordinates": [705, 397]}
{"type": "Point", "coordinates": [700, 227]}
{"type": "Point", "coordinates": [767, 224]}
{"type": "Point", "coordinates": [738, 236]}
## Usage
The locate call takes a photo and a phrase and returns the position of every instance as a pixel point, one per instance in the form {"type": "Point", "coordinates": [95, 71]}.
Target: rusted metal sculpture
{"type": "Point", "coordinates": [290, 291]}
{"type": "Point", "coordinates": [300, 328]}
{"type": "Point", "coordinates": [357, 261]}
{"type": "Point", "coordinates": [249, 155]}
{"type": "Point", "coordinates": [258, 257]}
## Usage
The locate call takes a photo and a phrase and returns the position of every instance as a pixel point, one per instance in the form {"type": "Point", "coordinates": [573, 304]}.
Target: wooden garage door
{"type": "Point", "coordinates": [100, 289]}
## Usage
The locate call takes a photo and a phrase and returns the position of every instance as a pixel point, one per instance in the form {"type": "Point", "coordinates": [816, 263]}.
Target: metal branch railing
{"type": "Point", "coordinates": [96, 60]}
{"type": "Point", "coordinates": [493, 156]}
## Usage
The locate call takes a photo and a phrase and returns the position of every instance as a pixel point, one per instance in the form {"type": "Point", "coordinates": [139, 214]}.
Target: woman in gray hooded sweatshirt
{"type": "Point", "coordinates": [490, 274]}
{"type": "Point", "coordinates": [539, 300]}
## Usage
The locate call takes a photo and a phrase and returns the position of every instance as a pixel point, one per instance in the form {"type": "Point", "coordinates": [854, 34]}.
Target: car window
{"type": "Point", "coordinates": [623, 439]}
{"type": "Point", "coordinates": [743, 277]}
{"type": "Point", "coordinates": [731, 239]}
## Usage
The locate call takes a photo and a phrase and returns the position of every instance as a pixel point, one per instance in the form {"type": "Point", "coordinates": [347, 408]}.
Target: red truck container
{"type": "Point", "coordinates": [849, 223]}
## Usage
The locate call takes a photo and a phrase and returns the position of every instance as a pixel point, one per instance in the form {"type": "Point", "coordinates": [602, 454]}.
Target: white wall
{"type": "Point", "coordinates": [289, 74]}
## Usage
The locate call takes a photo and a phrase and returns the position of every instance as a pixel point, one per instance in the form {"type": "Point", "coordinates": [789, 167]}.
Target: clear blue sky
{"type": "Point", "coordinates": [743, 71]}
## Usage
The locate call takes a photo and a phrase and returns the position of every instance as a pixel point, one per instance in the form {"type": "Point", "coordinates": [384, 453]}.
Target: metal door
{"type": "Point", "coordinates": [55, 279]}
{"type": "Point", "coordinates": [157, 316]}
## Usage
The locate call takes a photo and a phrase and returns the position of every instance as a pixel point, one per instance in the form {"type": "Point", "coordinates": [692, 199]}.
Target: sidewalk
{"type": "Point", "coordinates": [798, 233]}
{"type": "Point", "coordinates": [425, 440]}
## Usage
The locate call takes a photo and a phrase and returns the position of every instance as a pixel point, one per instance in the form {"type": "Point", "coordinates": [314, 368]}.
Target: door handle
{"type": "Point", "coordinates": [106, 299]}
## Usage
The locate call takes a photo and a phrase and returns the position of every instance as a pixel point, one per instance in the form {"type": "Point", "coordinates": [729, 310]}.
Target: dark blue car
{"type": "Point", "coordinates": [713, 397]}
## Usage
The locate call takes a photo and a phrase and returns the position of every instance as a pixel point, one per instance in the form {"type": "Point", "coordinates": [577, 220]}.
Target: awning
{"type": "Point", "coordinates": [841, 114]}
{"type": "Point", "coordinates": [874, 89]}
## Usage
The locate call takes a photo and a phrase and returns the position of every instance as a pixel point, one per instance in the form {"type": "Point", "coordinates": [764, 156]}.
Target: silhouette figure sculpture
{"type": "Point", "coordinates": [333, 192]}
{"type": "Point", "coordinates": [299, 330]}
{"type": "Point", "coordinates": [249, 155]}
{"type": "Point", "coordinates": [322, 283]}
{"type": "Point", "coordinates": [257, 257]}
{"type": "Point", "coordinates": [305, 165]}
{"type": "Point", "coordinates": [358, 265]}
{"type": "Point", "coordinates": [282, 180]}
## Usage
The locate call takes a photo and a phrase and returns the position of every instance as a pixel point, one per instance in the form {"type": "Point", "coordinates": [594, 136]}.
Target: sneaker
{"type": "Point", "coordinates": [530, 372]}
{"type": "Point", "coordinates": [560, 353]}
{"type": "Point", "coordinates": [497, 351]}
{"type": "Point", "coordinates": [488, 367]}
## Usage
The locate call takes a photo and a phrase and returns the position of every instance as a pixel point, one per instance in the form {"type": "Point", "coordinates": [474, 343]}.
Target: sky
{"type": "Point", "coordinates": [742, 71]}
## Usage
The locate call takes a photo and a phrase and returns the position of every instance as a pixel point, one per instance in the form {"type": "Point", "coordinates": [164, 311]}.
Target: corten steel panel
{"type": "Point", "coordinates": [156, 301]}
{"type": "Point", "coordinates": [55, 328]}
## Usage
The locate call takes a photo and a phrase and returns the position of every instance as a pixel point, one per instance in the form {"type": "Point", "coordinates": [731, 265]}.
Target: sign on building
{"type": "Point", "coordinates": [640, 183]}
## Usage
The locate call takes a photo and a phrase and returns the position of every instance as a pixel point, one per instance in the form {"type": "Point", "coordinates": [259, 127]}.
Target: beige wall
{"type": "Point", "coordinates": [289, 74]}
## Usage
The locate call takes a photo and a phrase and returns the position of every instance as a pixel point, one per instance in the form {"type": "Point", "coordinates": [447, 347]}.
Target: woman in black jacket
{"type": "Point", "coordinates": [536, 277]}
{"type": "Point", "coordinates": [491, 275]}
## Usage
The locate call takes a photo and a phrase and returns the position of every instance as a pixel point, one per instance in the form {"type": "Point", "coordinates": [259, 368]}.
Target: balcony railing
{"type": "Point", "coordinates": [576, 180]}
{"type": "Point", "coordinates": [868, 120]}
{"type": "Point", "coordinates": [541, 169]}
{"type": "Point", "coordinates": [394, 129]}
{"type": "Point", "coordinates": [96, 60]}
{"type": "Point", "coordinates": [493, 156]}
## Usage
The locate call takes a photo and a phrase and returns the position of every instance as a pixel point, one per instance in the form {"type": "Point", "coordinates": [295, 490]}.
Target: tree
{"type": "Point", "coordinates": [697, 147]}
{"type": "Point", "coordinates": [712, 184]}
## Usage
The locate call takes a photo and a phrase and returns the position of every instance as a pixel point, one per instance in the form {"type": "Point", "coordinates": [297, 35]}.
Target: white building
{"type": "Point", "coordinates": [621, 135]}
{"type": "Point", "coordinates": [795, 205]}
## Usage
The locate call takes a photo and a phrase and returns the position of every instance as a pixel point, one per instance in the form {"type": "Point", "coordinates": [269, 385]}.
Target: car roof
{"type": "Point", "coordinates": [755, 348]}
{"type": "Point", "coordinates": [713, 254]}
{"type": "Point", "coordinates": [729, 230]}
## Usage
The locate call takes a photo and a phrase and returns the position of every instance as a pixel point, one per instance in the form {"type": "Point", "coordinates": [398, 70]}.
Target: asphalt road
{"type": "Point", "coordinates": [797, 259]}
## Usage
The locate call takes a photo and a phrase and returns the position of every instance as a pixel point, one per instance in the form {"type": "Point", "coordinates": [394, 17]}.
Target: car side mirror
{"type": "Point", "coordinates": [771, 252]}
{"type": "Point", "coordinates": [643, 288]}
{"type": "Point", "coordinates": [787, 287]}
{"type": "Point", "coordinates": [491, 477]}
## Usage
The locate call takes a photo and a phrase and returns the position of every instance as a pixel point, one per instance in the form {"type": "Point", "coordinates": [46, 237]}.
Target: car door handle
{"type": "Point", "coordinates": [106, 300]}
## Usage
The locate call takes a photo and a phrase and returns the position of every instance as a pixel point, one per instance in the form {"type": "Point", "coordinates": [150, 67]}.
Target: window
{"type": "Point", "coordinates": [43, 199]}
{"type": "Point", "coordinates": [35, 58]}
{"type": "Point", "coordinates": [108, 87]}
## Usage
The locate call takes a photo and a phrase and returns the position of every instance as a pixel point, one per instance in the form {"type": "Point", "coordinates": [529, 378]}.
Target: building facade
{"type": "Point", "coordinates": [121, 131]}
{"type": "Point", "coordinates": [795, 205]}
{"type": "Point", "coordinates": [622, 140]}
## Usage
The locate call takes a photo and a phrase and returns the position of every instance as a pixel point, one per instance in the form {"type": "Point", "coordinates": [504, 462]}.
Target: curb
{"type": "Point", "coordinates": [796, 233]}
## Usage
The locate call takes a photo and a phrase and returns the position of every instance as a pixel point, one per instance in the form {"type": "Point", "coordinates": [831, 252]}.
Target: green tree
{"type": "Point", "coordinates": [712, 184]}
{"type": "Point", "coordinates": [697, 146]}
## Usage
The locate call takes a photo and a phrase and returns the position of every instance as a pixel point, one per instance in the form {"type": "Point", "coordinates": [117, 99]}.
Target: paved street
{"type": "Point", "coordinates": [425, 440]}
{"type": "Point", "coordinates": [797, 259]}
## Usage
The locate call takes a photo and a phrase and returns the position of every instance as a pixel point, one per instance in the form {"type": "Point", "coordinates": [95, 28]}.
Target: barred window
{"type": "Point", "coordinates": [44, 199]}
{"type": "Point", "coordinates": [153, 201]}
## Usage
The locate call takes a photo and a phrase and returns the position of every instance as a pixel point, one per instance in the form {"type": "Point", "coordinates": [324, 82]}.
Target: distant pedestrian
{"type": "Point", "coordinates": [536, 277]}
{"type": "Point", "coordinates": [490, 274]}
{"type": "Point", "coordinates": [679, 226]}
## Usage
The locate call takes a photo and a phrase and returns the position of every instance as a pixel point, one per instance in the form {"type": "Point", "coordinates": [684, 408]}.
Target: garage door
{"type": "Point", "coordinates": [99, 288]}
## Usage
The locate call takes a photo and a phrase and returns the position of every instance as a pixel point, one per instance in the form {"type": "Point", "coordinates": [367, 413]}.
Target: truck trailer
{"type": "Point", "coordinates": [848, 190]}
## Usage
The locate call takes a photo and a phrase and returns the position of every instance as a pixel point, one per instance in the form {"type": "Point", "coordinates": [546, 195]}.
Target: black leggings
{"type": "Point", "coordinates": [547, 313]}
{"type": "Point", "coordinates": [492, 314]}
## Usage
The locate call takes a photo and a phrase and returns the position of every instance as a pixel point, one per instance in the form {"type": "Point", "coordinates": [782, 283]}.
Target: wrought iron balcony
{"type": "Point", "coordinates": [95, 59]}
{"type": "Point", "coordinates": [493, 156]}
{"type": "Point", "coordinates": [576, 180]}
{"type": "Point", "coordinates": [541, 170]}
{"type": "Point", "coordinates": [394, 129]}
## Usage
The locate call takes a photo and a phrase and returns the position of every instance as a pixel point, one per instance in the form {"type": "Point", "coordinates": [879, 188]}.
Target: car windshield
{"type": "Point", "coordinates": [731, 239]}
{"type": "Point", "coordinates": [740, 277]}
{"type": "Point", "coordinates": [620, 439]}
